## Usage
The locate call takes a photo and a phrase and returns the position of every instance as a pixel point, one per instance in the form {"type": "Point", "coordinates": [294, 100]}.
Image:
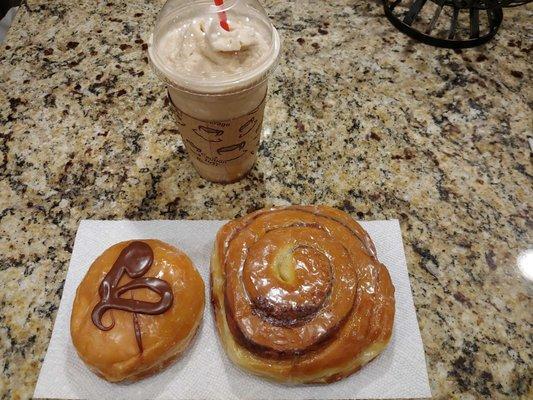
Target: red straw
{"type": "Point", "coordinates": [222, 15]}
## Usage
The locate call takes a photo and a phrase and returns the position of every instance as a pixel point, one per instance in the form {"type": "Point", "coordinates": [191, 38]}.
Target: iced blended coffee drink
{"type": "Point", "coordinates": [216, 79]}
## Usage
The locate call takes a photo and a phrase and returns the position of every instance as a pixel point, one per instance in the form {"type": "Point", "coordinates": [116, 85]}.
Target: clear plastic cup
{"type": "Point", "coordinates": [219, 112]}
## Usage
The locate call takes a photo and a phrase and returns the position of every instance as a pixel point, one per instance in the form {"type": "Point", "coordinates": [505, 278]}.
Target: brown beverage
{"type": "Point", "coordinates": [217, 80]}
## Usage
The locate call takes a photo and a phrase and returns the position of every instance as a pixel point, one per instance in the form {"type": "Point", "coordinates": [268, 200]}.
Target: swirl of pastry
{"type": "Point", "coordinates": [299, 295]}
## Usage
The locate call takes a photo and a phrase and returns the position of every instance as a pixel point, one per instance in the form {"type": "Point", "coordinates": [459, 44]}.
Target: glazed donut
{"type": "Point", "coordinates": [299, 295]}
{"type": "Point", "coordinates": [136, 310]}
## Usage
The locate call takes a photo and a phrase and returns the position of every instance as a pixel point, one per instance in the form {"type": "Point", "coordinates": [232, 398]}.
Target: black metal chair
{"type": "Point", "coordinates": [419, 18]}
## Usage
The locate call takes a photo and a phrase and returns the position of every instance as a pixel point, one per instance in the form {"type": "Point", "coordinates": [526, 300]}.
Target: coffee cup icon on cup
{"type": "Point", "coordinates": [209, 134]}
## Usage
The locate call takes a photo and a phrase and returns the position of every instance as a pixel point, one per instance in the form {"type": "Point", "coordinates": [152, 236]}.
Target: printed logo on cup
{"type": "Point", "coordinates": [221, 142]}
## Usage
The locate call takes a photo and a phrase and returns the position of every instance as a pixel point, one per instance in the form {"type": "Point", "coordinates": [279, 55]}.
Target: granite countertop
{"type": "Point", "coordinates": [358, 117]}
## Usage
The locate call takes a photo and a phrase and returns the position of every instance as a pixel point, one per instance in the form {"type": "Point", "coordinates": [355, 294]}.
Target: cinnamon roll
{"type": "Point", "coordinates": [299, 295]}
{"type": "Point", "coordinates": [136, 310]}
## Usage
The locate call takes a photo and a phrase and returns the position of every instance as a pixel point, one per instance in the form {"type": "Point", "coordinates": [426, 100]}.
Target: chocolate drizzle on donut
{"type": "Point", "coordinates": [135, 260]}
{"type": "Point", "coordinates": [137, 328]}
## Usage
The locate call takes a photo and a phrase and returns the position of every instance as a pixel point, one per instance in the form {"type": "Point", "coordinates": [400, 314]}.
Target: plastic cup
{"type": "Point", "coordinates": [219, 115]}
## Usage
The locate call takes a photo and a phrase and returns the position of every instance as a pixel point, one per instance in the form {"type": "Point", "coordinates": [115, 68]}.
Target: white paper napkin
{"type": "Point", "coordinates": [205, 372]}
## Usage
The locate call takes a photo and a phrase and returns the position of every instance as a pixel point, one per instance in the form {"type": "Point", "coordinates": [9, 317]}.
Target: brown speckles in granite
{"type": "Point", "coordinates": [361, 118]}
{"type": "Point", "coordinates": [72, 45]}
{"type": "Point", "coordinates": [517, 74]}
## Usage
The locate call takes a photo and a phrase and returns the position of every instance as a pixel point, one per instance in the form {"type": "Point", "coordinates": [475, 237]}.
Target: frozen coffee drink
{"type": "Point", "coordinates": [215, 61]}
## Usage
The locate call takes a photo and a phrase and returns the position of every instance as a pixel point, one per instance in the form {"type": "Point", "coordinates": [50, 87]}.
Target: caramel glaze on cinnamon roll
{"type": "Point", "coordinates": [299, 295]}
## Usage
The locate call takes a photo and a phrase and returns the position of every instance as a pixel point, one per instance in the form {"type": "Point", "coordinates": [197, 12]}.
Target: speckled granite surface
{"type": "Point", "coordinates": [359, 117]}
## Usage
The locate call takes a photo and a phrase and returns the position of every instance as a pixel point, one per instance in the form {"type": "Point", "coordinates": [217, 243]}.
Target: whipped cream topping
{"type": "Point", "coordinates": [200, 47]}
